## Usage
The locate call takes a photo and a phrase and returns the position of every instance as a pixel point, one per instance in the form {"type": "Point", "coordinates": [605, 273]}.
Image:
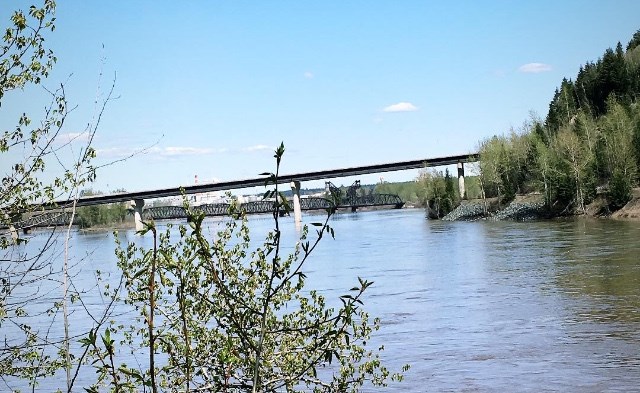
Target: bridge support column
{"type": "Point", "coordinates": [14, 233]}
{"type": "Point", "coordinates": [138, 204]}
{"type": "Point", "coordinates": [297, 210]}
{"type": "Point", "coordinates": [461, 189]}
{"type": "Point", "coordinates": [12, 228]}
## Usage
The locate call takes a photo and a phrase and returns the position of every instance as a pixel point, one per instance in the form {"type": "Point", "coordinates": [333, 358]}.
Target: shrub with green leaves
{"type": "Point", "coordinates": [218, 316]}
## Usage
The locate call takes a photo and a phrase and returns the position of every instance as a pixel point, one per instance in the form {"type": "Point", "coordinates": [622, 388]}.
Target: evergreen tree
{"type": "Point", "coordinates": [635, 41]}
{"type": "Point", "coordinates": [449, 193]}
{"type": "Point", "coordinates": [611, 78]}
{"type": "Point", "coordinates": [563, 106]}
{"type": "Point", "coordinates": [586, 89]}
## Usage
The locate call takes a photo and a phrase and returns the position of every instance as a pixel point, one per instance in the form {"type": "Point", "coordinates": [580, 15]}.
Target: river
{"type": "Point", "coordinates": [546, 306]}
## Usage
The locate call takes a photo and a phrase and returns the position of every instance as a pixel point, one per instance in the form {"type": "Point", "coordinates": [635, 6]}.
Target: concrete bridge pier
{"type": "Point", "coordinates": [297, 210]}
{"type": "Point", "coordinates": [14, 233]}
{"type": "Point", "coordinates": [138, 204]}
{"type": "Point", "coordinates": [461, 189]}
{"type": "Point", "coordinates": [12, 228]}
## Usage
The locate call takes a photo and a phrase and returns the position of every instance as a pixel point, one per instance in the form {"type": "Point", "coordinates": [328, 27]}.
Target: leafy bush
{"type": "Point", "coordinates": [222, 317]}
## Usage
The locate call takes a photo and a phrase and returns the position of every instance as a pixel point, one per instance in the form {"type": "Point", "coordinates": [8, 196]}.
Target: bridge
{"type": "Point", "coordinates": [282, 179]}
{"type": "Point", "coordinates": [295, 179]}
{"type": "Point", "coordinates": [62, 217]}
{"type": "Point", "coordinates": [266, 206]}
{"type": "Point", "coordinates": [52, 218]}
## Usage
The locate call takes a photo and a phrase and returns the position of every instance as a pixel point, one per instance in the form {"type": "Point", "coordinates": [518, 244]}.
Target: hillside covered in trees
{"type": "Point", "coordinates": [588, 144]}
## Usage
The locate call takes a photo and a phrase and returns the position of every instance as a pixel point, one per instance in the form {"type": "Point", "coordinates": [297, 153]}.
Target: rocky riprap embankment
{"type": "Point", "coordinates": [524, 208]}
{"type": "Point", "coordinates": [467, 211]}
{"type": "Point", "coordinates": [522, 211]}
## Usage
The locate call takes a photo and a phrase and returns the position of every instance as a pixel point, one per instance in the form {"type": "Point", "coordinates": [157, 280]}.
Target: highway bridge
{"type": "Point", "coordinates": [138, 197]}
{"type": "Point", "coordinates": [282, 179]}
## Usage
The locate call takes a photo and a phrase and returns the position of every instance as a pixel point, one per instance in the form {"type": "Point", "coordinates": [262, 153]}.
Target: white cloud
{"type": "Point", "coordinates": [72, 137]}
{"type": "Point", "coordinates": [534, 68]}
{"type": "Point", "coordinates": [308, 75]}
{"type": "Point", "coordinates": [401, 107]}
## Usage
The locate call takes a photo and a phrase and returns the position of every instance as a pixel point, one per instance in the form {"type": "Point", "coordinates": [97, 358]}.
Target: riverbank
{"type": "Point", "coordinates": [630, 211]}
{"type": "Point", "coordinates": [532, 207]}
{"type": "Point", "coordinates": [522, 208]}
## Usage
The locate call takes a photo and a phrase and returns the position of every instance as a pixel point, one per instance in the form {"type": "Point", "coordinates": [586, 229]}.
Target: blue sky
{"type": "Point", "coordinates": [211, 87]}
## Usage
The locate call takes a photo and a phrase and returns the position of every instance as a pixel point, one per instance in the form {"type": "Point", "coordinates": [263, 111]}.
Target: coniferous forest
{"type": "Point", "coordinates": [588, 144]}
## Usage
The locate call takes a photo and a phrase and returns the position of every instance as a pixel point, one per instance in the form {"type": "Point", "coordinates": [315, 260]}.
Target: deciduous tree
{"type": "Point", "coordinates": [30, 151]}
{"type": "Point", "coordinates": [217, 315]}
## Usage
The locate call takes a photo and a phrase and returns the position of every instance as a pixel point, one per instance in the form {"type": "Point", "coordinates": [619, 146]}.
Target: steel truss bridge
{"type": "Point", "coordinates": [61, 218]}
{"type": "Point", "coordinates": [266, 206]}
{"type": "Point", "coordinates": [51, 218]}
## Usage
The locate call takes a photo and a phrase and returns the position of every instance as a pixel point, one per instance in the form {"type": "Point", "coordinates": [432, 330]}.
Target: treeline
{"type": "Point", "coordinates": [97, 215]}
{"type": "Point", "coordinates": [435, 189]}
{"type": "Point", "coordinates": [409, 191]}
{"type": "Point", "coordinates": [588, 143]}
{"type": "Point", "coordinates": [615, 75]}
{"type": "Point", "coordinates": [440, 194]}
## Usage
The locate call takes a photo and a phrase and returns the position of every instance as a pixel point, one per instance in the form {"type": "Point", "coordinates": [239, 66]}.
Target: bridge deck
{"type": "Point", "coordinates": [255, 182]}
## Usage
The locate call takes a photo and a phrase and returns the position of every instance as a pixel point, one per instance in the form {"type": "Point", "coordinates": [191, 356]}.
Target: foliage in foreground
{"type": "Point", "coordinates": [213, 315]}
{"type": "Point", "coordinates": [35, 172]}
{"type": "Point", "coordinates": [218, 316]}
